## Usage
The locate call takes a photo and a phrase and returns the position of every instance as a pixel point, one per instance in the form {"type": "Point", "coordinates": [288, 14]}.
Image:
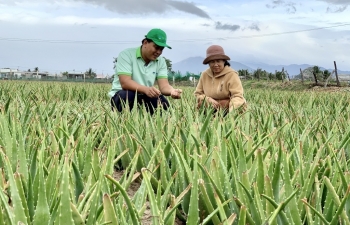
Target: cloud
{"type": "Point", "coordinates": [140, 7]}
{"type": "Point", "coordinates": [220, 26]}
{"type": "Point", "coordinates": [337, 9]}
{"type": "Point", "coordinates": [254, 26]}
{"type": "Point", "coordinates": [290, 6]}
{"type": "Point", "coordinates": [189, 8]}
{"type": "Point", "coordinates": [148, 6]}
{"type": "Point", "coordinates": [337, 2]}
{"type": "Point", "coordinates": [275, 4]}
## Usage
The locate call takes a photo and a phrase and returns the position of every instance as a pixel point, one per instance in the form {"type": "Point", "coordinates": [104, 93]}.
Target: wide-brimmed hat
{"type": "Point", "coordinates": [158, 36]}
{"type": "Point", "coordinates": [215, 52]}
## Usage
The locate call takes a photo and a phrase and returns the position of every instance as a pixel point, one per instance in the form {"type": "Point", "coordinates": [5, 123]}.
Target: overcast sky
{"type": "Point", "coordinates": [67, 35]}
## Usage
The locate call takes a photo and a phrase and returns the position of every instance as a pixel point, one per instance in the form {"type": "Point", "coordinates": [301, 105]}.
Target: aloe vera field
{"type": "Point", "coordinates": [67, 159]}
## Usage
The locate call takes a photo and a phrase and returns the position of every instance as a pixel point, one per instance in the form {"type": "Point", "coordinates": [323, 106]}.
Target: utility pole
{"type": "Point", "coordinates": [302, 76]}
{"type": "Point", "coordinates": [173, 78]}
{"type": "Point", "coordinates": [336, 74]}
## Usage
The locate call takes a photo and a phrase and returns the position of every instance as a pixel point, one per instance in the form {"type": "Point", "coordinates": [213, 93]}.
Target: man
{"type": "Point", "coordinates": [136, 71]}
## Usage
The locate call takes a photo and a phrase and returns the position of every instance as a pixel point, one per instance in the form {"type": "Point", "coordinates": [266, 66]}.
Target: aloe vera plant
{"type": "Point", "coordinates": [284, 161]}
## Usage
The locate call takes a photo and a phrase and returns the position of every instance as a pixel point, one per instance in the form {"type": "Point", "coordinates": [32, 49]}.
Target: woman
{"type": "Point", "coordinates": [219, 86]}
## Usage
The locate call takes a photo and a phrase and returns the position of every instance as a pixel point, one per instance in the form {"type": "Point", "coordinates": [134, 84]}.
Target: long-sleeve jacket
{"type": "Point", "coordinates": [225, 85]}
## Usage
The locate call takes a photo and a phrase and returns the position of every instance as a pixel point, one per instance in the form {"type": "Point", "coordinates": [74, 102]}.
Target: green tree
{"type": "Point", "coordinates": [115, 62]}
{"type": "Point", "coordinates": [36, 69]}
{"type": "Point", "coordinates": [169, 65]}
{"type": "Point", "coordinates": [271, 76]}
{"type": "Point", "coordinates": [326, 74]}
{"type": "Point", "coordinates": [259, 73]}
{"type": "Point", "coordinates": [316, 71]}
{"type": "Point", "coordinates": [65, 73]}
{"type": "Point", "coordinates": [244, 73]}
{"type": "Point", "coordinates": [90, 73]}
{"type": "Point", "coordinates": [280, 75]}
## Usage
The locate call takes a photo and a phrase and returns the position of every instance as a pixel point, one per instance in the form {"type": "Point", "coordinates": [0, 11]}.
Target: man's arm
{"type": "Point", "coordinates": [128, 84]}
{"type": "Point", "coordinates": [167, 90]}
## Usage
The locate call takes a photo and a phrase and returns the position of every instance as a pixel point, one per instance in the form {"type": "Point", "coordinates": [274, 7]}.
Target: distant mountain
{"type": "Point", "coordinates": [195, 65]}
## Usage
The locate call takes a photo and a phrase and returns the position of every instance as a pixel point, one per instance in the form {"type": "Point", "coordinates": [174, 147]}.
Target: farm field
{"type": "Point", "coordinates": [65, 158]}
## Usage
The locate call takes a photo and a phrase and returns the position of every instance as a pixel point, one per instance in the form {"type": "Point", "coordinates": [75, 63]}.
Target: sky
{"type": "Point", "coordinates": [75, 35]}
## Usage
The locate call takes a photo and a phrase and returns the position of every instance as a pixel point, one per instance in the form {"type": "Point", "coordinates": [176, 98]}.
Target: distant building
{"type": "Point", "coordinates": [75, 75]}
{"type": "Point", "coordinates": [8, 73]}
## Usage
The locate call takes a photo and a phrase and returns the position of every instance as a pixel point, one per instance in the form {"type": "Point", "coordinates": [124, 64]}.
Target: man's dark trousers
{"type": "Point", "coordinates": [123, 97]}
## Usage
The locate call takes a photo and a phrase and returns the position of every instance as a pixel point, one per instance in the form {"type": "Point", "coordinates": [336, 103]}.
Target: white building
{"type": "Point", "coordinates": [7, 73]}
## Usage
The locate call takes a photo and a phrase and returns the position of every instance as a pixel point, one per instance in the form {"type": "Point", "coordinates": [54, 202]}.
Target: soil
{"type": "Point", "coordinates": [134, 186]}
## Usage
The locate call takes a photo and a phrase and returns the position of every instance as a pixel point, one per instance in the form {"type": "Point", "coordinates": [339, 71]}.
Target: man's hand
{"type": "Point", "coordinates": [152, 92]}
{"type": "Point", "coordinates": [176, 93]}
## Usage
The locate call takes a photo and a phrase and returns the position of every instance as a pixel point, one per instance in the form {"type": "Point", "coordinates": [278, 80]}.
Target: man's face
{"type": "Point", "coordinates": [151, 51]}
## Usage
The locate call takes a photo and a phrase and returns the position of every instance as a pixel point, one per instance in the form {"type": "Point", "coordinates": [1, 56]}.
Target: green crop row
{"type": "Point", "coordinates": [283, 161]}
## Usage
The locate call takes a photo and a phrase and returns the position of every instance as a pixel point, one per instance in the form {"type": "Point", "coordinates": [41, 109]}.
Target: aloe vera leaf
{"type": "Point", "coordinates": [277, 175]}
{"type": "Point", "coordinates": [92, 207]}
{"type": "Point", "coordinates": [281, 215]}
{"type": "Point", "coordinates": [340, 210]}
{"type": "Point", "coordinates": [21, 193]}
{"type": "Point", "coordinates": [79, 185]}
{"type": "Point", "coordinates": [156, 215]}
{"type": "Point", "coordinates": [253, 209]}
{"type": "Point", "coordinates": [339, 204]}
{"type": "Point", "coordinates": [134, 216]}
{"type": "Point", "coordinates": [209, 217]}
{"type": "Point", "coordinates": [109, 211]}
{"type": "Point", "coordinates": [51, 182]}
{"type": "Point", "coordinates": [65, 213]}
{"type": "Point", "coordinates": [260, 173]}
{"type": "Point", "coordinates": [222, 212]}
{"type": "Point", "coordinates": [293, 207]}
{"type": "Point", "coordinates": [207, 203]}
{"type": "Point", "coordinates": [344, 182]}
{"type": "Point", "coordinates": [259, 202]}
{"type": "Point", "coordinates": [280, 207]}
{"type": "Point", "coordinates": [7, 212]}
{"type": "Point", "coordinates": [247, 215]}
{"type": "Point", "coordinates": [42, 213]}
{"type": "Point", "coordinates": [170, 212]}
{"type": "Point", "coordinates": [317, 213]}
{"type": "Point", "coordinates": [18, 210]}
{"type": "Point", "coordinates": [242, 216]}
{"type": "Point", "coordinates": [167, 191]}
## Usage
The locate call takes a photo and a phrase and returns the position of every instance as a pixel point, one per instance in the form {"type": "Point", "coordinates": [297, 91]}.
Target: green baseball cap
{"type": "Point", "coordinates": [158, 36]}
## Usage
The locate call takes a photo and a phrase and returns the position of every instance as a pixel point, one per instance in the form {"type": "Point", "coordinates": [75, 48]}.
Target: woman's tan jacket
{"type": "Point", "coordinates": [225, 85]}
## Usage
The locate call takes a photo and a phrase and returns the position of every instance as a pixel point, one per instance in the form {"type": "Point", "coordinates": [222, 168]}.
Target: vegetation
{"type": "Point", "coordinates": [283, 161]}
{"type": "Point", "coordinates": [90, 73]}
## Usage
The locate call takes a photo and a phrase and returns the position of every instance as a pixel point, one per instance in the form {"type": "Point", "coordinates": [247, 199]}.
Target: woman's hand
{"type": "Point", "coordinates": [224, 103]}
{"type": "Point", "coordinates": [215, 104]}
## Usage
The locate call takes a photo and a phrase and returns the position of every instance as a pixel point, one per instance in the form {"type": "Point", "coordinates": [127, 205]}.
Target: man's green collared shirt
{"type": "Point", "coordinates": [131, 63]}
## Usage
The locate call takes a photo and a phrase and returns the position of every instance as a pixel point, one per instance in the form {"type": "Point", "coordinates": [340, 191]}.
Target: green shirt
{"type": "Point", "coordinates": [131, 63]}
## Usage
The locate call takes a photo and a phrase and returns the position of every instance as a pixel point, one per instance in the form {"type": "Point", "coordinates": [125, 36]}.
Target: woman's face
{"type": "Point", "coordinates": [216, 66]}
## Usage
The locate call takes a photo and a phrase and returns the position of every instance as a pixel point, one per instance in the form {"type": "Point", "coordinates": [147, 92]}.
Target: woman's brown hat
{"type": "Point", "coordinates": [215, 52]}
